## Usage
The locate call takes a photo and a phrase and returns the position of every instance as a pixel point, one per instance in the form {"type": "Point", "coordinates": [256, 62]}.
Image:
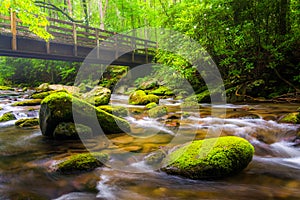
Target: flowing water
{"type": "Point", "coordinates": [26, 157]}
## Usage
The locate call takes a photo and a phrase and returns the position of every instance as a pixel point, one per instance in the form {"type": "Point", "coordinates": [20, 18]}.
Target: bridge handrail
{"type": "Point", "coordinates": [77, 35]}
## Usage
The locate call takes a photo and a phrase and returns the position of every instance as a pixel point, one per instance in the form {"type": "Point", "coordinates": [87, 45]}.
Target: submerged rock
{"type": "Point", "coordinates": [82, 162]}
{"type": "Point", "coordinates": [139, 97]}
{"type": "Point", "coordinates": [28, 122]}
{"type": "Point", "coordinates": [7, 117]}
{"type": "Point", "coordinates": [60, 107]}
{"type": "Point", "coordinates": [98, 96]}
{"type": "Point", "coordinates": [210, 158]}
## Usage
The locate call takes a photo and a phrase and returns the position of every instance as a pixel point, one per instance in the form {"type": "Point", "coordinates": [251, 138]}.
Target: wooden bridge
{"type": "Point", "coordinates": [73, 42]}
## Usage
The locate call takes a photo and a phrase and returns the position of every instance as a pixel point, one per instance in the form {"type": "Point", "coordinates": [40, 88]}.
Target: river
{"type": "Point", "coordinates": [26, 156]}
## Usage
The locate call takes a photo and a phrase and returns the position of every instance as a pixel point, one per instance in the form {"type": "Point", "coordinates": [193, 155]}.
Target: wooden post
{"type": "Point", "coordinates": [132, 49]}
{"type": "Point", "coordinates": [98, 43]}
{"type": "Point", "coordinates": [13, 27]}
{"type": "Point", "coordinates": [75, 39]}
{"type": "Point", "coordinates": [47, 43]}
{"type": "Point", "coordinates": [146, 51]}
{"type": "Point", "coordinates": [116, 47]}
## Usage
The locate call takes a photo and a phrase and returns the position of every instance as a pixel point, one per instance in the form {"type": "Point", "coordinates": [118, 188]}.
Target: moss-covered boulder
{"type": "Point", "coordinates": [98, 96]}
{"type": "Point", "coordinates": [82, 163]}
{"type": "Point", "coordinates": [202, 97]}
{"type": "Point", "coordinates": [147, 85]}
{"type": "Point", "coordinates": [5, 88]}
{"type": "Point", "coordinates": [27, 122]}
{"type": "Point", "coordinates": [119, 111]}
{"type": "Point", "coordinates": [162, 91]}
{"type": "Point", "coordinates": [68, 130]}
{"type": "Point", "coordinates": [158, 111]}
{"type": "Point", "coordinates": [60, 107]}
{"type": "Point", "coordinates": [292, 118]}
{"type": "Point", "coordinates": [7, 117]}
{"type": "Point", "coordinates": [42, 95]}
{"type": "Point", "coordinates": [139, 97]}
{"type": "Point", "coordinates": [1, 108]}
{"type": "Point", "coordinates": [210, 158]}
{"type": "Point", "coordinates": [151, 105]}
{"type": "Point", "coordinates": [30, 102]}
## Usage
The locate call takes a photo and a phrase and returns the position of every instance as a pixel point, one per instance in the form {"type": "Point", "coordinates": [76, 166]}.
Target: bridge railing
{"type": "Point", "coordinates": [65, 32]}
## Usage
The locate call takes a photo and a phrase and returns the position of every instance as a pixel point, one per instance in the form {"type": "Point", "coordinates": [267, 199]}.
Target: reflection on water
{"type": "Point", "coordinates": [26, 158]}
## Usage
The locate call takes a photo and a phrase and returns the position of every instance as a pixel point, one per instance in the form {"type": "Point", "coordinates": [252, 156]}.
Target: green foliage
{"type": "Point", "coordinates": [29, 14]}
{"type": "Point", "coordinates": [33, 72]}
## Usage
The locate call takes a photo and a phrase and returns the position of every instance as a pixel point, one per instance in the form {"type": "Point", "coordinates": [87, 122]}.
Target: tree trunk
{"type": "Point", "coordinates": [102, 11]}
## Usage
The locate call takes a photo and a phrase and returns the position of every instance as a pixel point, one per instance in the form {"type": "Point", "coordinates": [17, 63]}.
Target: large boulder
{"type": "Point", "coordinates": [98, 96]}
{"type": "Point", "coordinates": [210, 158]}
{"type": "Point", "coordinates": [60, 107]}
{"type": "Point", "coordinates": [139, 97]}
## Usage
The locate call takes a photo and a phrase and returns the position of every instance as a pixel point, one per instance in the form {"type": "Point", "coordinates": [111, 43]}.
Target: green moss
{"type": "Point", "coordinates": [151, 105]}
{"type": "Point", "coordinates": [68, 130]}
{"type": "Point", "coordinates": [200, 98]}
{"type": "Point", "coordinates": [7, 117]}
{"type": "Point", "coordinates": [162, 91]}
{"type": "Point", "coordinates": [27, 122]}
{"type": "Point", "coordinates": [43, 95]}
{"type": "Point", "coordinates": [60, 107]}
{"type": "Point", "coordinates": [139, 97]}
{"type": "Point", "coordinates": [98, 96]}
{"type": "Point", "coordinates": [1, 108]}
{"type": "Point", "coordinates": [5, 88]}
{"type": "Point", "coordinates": [31, 102]}
{"type": "Point", "coordinates": [293, 118]}
{"type": "Point", "coordinates": [210, 158]}
{"type": "Point", "coordinates": [119, 111]}
{"type": "Point", "coordinates": [158, 111]}
{"type": "Point", "coordinates": [82, 162]}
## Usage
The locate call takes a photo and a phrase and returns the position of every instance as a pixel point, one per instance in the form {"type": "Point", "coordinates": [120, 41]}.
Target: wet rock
{"type": "Point", "coordinates": [45, 87]}
{"type": "Point", "coordinates": [82, 162]}
{"type": "Point", "coordinates": [131, 149]}
{"type": "Point", "coordinates": [119, 111]}
{"type": "Point", "coordinates": [125, 139]}
{"type": "Point", "coordinates": [43, 95]}
{"type": "Point", "coordinates": [292, 118]}
{"type": "Point", "coordinates": [190, 106]}
{"type": "Point", "coordinates": [155, 158]}
{"type": "Point", "coordinates": [150, 84]}
{"type": "Point", "coordinates": [139, 97]}
{"type": "Point", "coordinates": [30, 102]}
{"type": "Point", "coordinates": [6, 88]}
{"type": "Point", "coordinates": [60, 107]}
{"type": "Point", "coordinates": [28, 122]}
{"type": "Point", "coordinates": [68, 130]}
{"type": "Point", "coordinates": [151, 105]}
{"type": "Point", "coordinates": [158, 111]}
{"type": "Point", "coordinates": [162, 91]}
{"type": "Point", "coordinates": [210, 158]}
{"type": "Point", "coordinates": [241, 115]}
{"type": "Point", "coordinates": [98, 96]}
{"type": "Point", "coordinates": [7, 117]}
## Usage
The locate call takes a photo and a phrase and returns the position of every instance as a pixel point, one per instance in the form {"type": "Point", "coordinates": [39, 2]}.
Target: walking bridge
{"type": "Point", "coordinates": [73, 42]}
